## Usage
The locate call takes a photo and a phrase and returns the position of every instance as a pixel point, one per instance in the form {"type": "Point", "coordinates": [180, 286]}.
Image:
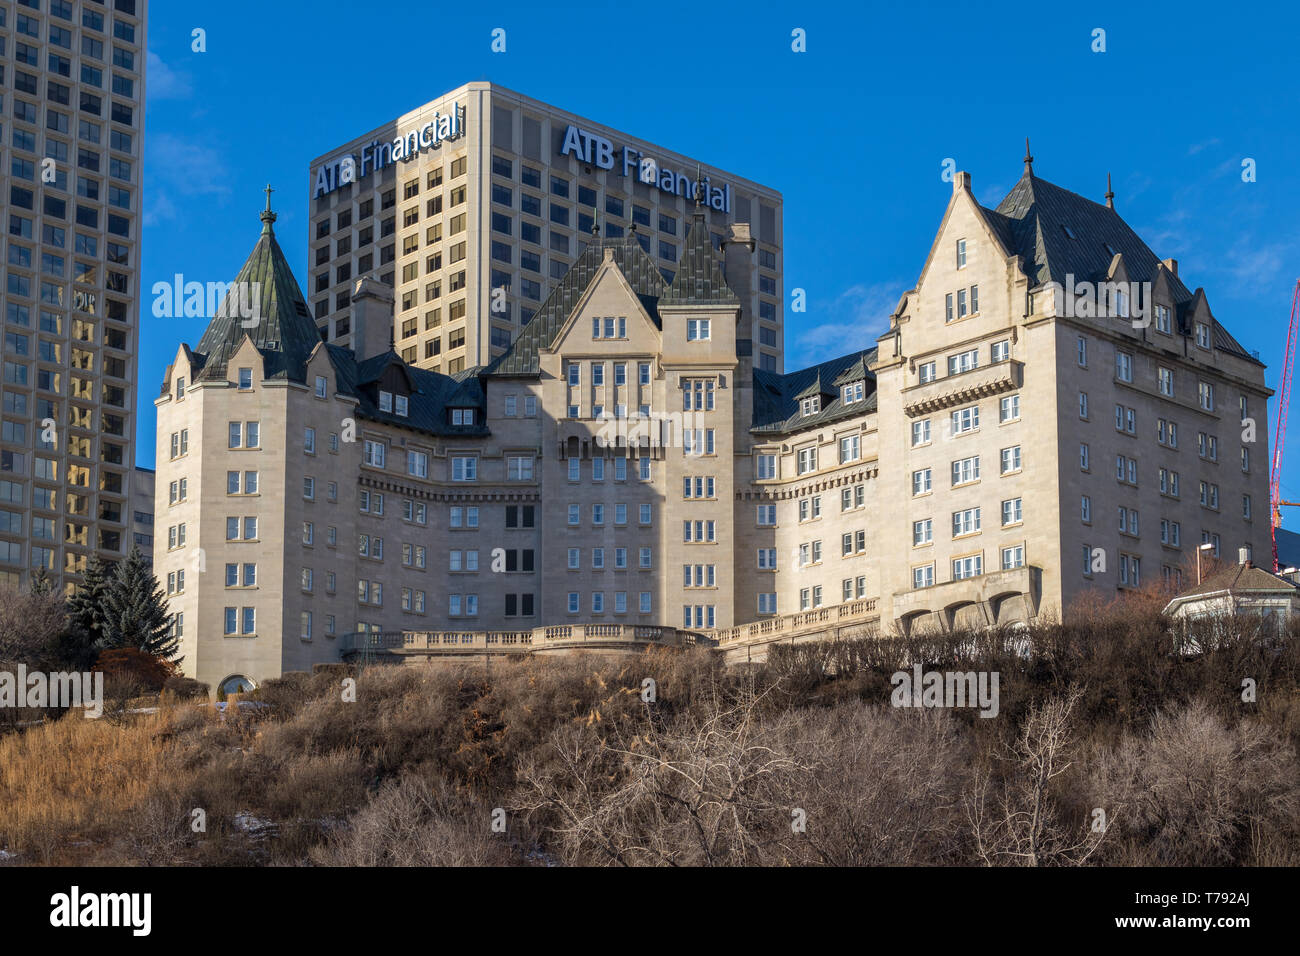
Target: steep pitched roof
{"type": "Point", "coordinates": [1036, 214]}
{"type": "Point", "coordinates": [284, 332]}
{"type": "Point", "coordinates": [776, 397]}
{"type": "Point", "coordinates": [699, 281]}
{"type": "Point", "coordinates": [637, 267]}
{"type": "Point", "coordinates": [1033, 219]}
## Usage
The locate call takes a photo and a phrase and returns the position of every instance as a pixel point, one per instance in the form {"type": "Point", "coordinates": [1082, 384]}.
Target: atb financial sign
{"type": "Point", "coordinates": [377, 154]}
{"type": "Point", "coordinates": [596, 150]}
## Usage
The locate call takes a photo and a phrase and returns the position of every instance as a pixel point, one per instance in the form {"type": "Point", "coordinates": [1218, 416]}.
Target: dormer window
{"type": "Point", "coordinates": [1121, 304]}
{"type": "Point", "coordinates": [180, 388]}
{"type": "Point", "coordinates": [1163, 323]}
{"type": "Point", "coordinates": [401, 405]}
{"type": "Point", "coordinates": [245, 379]}
{"type": "Point", "coordinates": [322, 386]}
{"type": "Point", "coordinates": [462, 416]}
{"type": "Point", "coordinates": [1202, 335]}
{"type": "Point", "coordinates": [811, 406]}
{"type": "Point", "coordinates": [385, 401]}
{"type": "Point", "coordinates": [853, 392]}
{"type": "Point", "coordinates": [697, 330]}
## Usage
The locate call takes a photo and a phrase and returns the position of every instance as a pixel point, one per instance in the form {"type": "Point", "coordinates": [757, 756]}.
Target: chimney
{"type": "Point", "coordinates": [1171, 265]}
{"type": "Point", "coordinates": [372, 318]}
{"type": "Point", "coordinates": [738, 270]}
{"type": "Point", "coordinates": [961, 181]}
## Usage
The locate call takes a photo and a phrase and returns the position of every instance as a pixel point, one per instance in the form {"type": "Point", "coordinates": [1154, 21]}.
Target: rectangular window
{"type": "Point", "coordinates": [1011, 512]}
{"type": "Point", "coordinates": [922, 531]}
{"type": "Point", "coordinates": [1123, 366]}
{"type": "Point", "coordinates": [965, 470]}
{"type": "Point", "coordinates": [965, 522]}
{"type": "Point", "coordinates": [963, 362]}
{"type": "Point", "coordinates": [1009, 409]}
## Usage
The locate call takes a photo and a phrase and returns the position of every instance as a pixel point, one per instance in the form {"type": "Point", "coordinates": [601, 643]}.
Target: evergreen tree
{"type": "Point", "coordinates": [86, 605]}
{"type": "Point", "coordinates": [135, 611]}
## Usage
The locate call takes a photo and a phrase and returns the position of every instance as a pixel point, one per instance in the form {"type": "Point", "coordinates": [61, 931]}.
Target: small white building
{"type": "Point", "coordinates": [1240, 589]}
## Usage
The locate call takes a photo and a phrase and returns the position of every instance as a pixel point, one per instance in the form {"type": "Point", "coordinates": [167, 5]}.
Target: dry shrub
{"type": "Point", "coordinates": [1198, 791]}
{"type": "Point", "coordinates": [148, 670]}
{"type": "Point", "coordinates": [316, 786]}
{"type": "Point", "coordinates": [733, 781]}
{"type": "Point", "coordinates": [415, 822]}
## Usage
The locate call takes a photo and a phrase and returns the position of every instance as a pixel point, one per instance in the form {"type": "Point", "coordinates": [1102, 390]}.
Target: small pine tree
{"type": "Point", "coordinates": [86, 605]}
{"type": "Point", "coordinates": [135, 611]}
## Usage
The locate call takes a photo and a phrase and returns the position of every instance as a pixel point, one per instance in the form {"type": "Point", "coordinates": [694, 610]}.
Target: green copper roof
{"type": "Point", "coordinates": [277, 318]}
{"type": "Point", "coordinates": [699, 281]}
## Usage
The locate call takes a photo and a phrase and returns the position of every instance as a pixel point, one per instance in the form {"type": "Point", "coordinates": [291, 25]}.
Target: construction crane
{"type": "Point", "coordinates": [1279, 431]}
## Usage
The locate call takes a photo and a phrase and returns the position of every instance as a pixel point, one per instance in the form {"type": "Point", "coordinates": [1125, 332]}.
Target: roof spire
{"type": "Point", "coordinates": [1110, 194]}
{"type": "Point", "coordinates": [699, 190]}
{"type": "Point", "coordinates": [1029, 159]}
{"type": "Point", "coordinates": [268, 217]}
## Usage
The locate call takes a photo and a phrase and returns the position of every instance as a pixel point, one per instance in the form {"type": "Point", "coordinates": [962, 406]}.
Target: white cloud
{"type": "Point", "coordinates": [158, 207]}
{"type": "Point", "coordinates": [851, 322]}
{"type": "Point", "coordinates": [179, 168]}
{"type": "Point", "coordinates": [164, 83]}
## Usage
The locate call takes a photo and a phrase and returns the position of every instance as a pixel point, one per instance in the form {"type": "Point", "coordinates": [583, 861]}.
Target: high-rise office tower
{"type": "Point", "coordinates": [474, 206]}
{"type": "Point", "coordinates": [72, 127]}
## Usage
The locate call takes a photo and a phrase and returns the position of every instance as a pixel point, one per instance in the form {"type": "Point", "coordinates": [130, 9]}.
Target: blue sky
{"type": "Point", "coordinates": [853, 132]}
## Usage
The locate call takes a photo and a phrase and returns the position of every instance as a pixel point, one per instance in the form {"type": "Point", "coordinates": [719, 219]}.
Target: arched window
{"type": "Point", "coordinates": [237, 684]}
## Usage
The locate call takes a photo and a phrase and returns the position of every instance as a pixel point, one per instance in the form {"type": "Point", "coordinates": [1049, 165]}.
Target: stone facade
{"type": "Point", "coordinates": [624, 463]}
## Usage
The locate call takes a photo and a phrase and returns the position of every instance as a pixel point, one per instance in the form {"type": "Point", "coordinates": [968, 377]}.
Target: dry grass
{"type": "Point", "coordinates": [586, 772]}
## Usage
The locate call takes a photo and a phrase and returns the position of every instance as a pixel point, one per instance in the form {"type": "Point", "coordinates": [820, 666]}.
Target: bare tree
{"type": "Point", "coordinates": [29, 626]}
{"type": "Point", "coordinates": [1022, 825]}
{"type": "Point", "coordinates": [701, 790]}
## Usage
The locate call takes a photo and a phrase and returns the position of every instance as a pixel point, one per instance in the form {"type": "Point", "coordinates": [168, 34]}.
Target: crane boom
{"type": "Point", "coordinates": [1279, 431]}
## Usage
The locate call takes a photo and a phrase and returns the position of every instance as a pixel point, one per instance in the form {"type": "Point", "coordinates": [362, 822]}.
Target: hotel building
{"type": "Point", "coordinates": [474, 206]}
{"type": "Point", "coordinates": [1000, 452]}
{"type": "Point", "coordinates": [72, 125]}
